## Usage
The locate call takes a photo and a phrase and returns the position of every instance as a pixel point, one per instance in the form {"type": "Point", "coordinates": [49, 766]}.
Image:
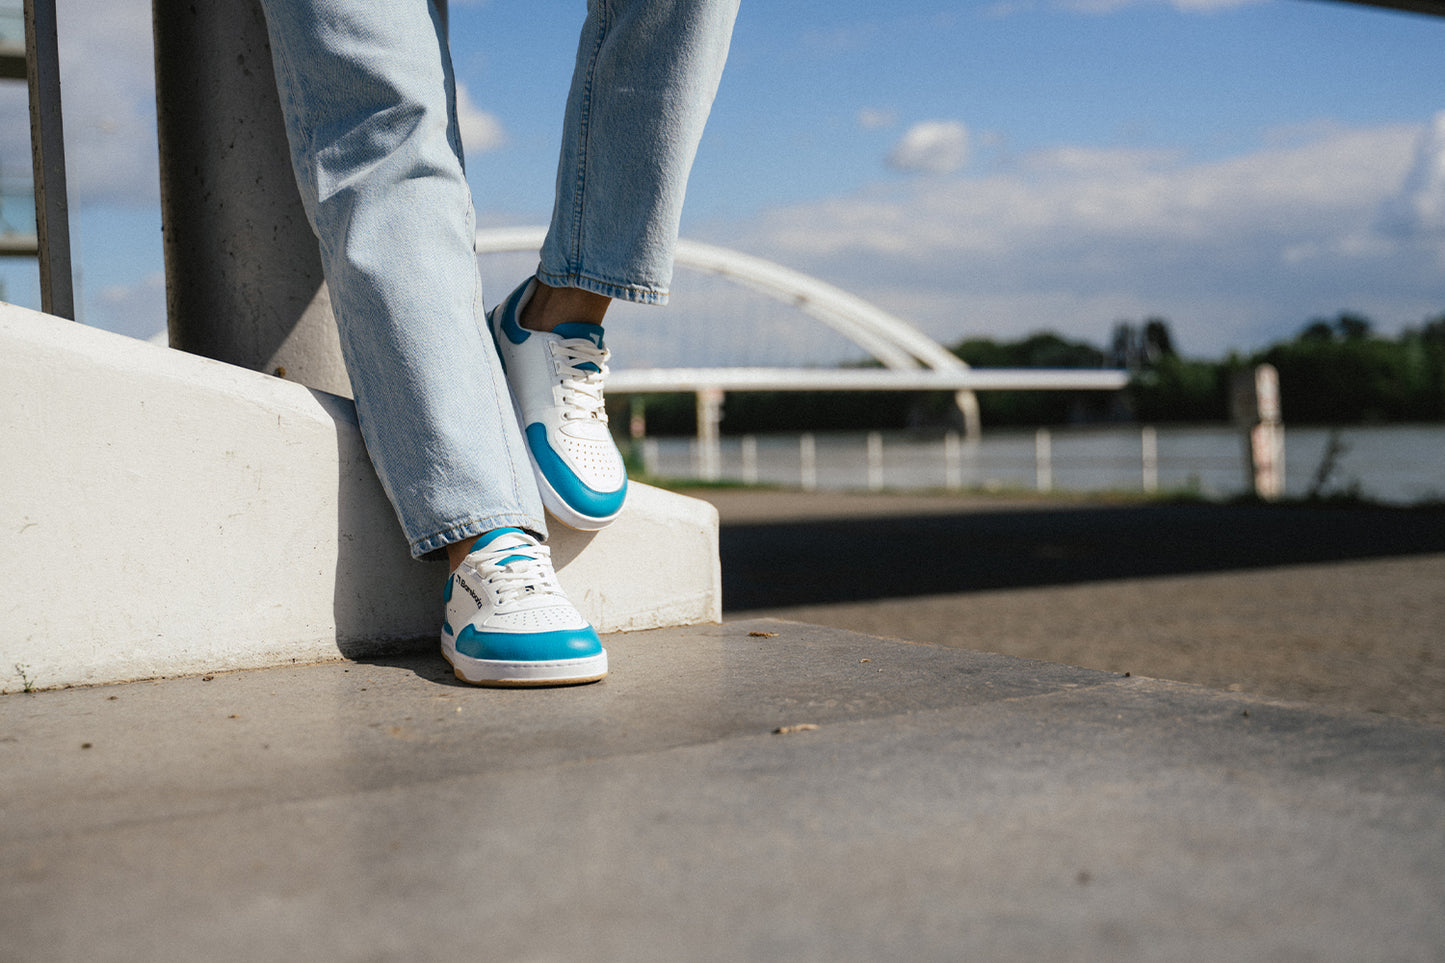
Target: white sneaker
{"type": "Point", "coordinates": [508, 622]}
{"type": "Point", "coordinates": [556, 380]}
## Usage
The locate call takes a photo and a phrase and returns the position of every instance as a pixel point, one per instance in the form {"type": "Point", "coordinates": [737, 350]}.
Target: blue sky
{"type": "Point", "coordinates": [980, 169]}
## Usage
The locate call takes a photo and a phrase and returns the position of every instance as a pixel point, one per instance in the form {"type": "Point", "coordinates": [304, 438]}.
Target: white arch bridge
{"type": "Point", "coordinates": [911, 360]}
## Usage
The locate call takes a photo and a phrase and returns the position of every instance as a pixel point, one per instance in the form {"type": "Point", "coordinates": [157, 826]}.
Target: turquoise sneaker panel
{"type": "Point", "coordinates": [578, 496]}
{"type": "Point", "coordinates": [502, 322]}
{"type": "Point", "coordinates": [508, 325]}
{"type": "Point", "coordinates": [580, 643]}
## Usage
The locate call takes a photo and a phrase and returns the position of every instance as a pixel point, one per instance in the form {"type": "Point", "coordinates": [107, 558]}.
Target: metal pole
{"type": "Point", "coordinates": [709, 415]}
{"type": "Point", "coordinates": [875, 461]}
{"type": "Point", "coordinates": [967, 403]}
{"type": "Point", "coordinates": [1043, 460]}
{"type": "Point", "coordinates": [952, 462]}
{"type": "Point", "coordinates": [1149, 443]}
{"type": "Point", "coordinates": [47, 149]}
{"type": "Point", "coordinates": [1255, 406]}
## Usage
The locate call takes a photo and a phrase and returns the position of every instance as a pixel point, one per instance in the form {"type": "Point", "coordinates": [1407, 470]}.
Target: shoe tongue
{"type": "Point", "coordinates": [586, 429]}
{"type": "Point", "coordinates": [580, 329]}
{"type": "Point", "coordinates": [501, 538]}
{"type": "Point", "coordinates": [583, 331]}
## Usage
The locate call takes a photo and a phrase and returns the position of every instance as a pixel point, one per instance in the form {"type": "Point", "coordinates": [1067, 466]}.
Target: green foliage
{"type": "Point", "coordinates": [1339, 372]}
{"type": "Point", "coordinates": [1041, 350]}
{"type": "Point", "coordinates": [1334, 371]}
{"type": "Point", "coordinates": [1177, 390]}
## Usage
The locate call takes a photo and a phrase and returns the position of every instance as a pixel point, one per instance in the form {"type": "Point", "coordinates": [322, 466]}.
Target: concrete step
{"type": "Point", "coordinates": [166, 514]}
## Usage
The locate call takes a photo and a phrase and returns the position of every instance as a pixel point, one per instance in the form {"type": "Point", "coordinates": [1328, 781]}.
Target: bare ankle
{"type": "Point", "coordinates": [549, 307]}
{"type": "Point", "coordinates": [457, 551]}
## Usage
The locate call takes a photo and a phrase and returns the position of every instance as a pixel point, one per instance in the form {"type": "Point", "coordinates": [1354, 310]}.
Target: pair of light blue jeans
{"type": "Point", "coordinates": [369, 99]}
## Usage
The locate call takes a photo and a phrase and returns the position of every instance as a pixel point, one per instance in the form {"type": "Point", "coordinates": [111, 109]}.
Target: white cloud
{"type": "Point", "coordinates": [871, 118]}
{"type": "Point", "coordinates": [1419, 207]}
{"type": "Point", "coordinates": [931, 146]}
{"type": "Point", "coordinates": [481, 131]}
{"type": "Point", "coordinates": [1081, 161]}
{"type": "Point", "coordinates": [1236, 251]}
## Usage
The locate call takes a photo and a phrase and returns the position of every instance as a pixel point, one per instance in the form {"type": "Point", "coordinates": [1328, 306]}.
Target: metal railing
{"type": "Point", "coordinates": [1042, 460]}
{"type": "Point", "coordinates": [36, 60]}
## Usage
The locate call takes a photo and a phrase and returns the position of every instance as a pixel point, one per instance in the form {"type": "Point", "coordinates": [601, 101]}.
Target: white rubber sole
{"type": "Point", "coordinates": [491, 672]}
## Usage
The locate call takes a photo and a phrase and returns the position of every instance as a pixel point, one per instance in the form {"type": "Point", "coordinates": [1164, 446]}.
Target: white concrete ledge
{"type": "Point", "coordinates": [163, 514]}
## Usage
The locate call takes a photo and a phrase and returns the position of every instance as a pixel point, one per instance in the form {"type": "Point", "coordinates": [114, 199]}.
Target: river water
{"type": "Point", "coordinates": [1402, 464]}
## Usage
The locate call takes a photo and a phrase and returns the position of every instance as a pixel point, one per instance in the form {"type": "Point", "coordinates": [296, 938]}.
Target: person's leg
{"type": "Point", "coordinates": [644, 82]}
{"type": "Point", "coordinates": [369, 100]}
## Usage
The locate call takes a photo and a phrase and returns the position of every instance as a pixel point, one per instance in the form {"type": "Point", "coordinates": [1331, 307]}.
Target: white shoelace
{"type": "Point", "coordinates": [528, 573]}
{"type": "Point", "coordinates": [581, 387]}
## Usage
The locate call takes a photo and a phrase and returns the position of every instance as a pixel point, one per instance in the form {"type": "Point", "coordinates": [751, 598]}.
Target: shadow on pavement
{"type": "Point", "coordinates": [821, 561]}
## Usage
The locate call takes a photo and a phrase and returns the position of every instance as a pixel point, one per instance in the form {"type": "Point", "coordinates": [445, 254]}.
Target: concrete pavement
{"type": "Point", "coordinates": [948, 805]}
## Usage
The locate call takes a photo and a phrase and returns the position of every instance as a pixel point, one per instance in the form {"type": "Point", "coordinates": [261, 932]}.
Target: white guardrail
{"type": "Point", "coordinates": [959, 461]}
{"type": "Point", "coordinates": [643, 380]}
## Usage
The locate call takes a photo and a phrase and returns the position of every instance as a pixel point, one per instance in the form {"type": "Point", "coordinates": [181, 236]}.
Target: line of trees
{"type": "Point", "coordinates": [1334, 371]}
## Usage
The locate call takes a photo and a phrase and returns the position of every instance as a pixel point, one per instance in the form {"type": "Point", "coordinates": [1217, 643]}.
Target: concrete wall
{"type": "Point", "coordinates": [162, 513]}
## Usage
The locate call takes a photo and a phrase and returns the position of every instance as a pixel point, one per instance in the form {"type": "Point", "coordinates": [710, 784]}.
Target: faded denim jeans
{"type": "Point", "coordinates": [369, 99]}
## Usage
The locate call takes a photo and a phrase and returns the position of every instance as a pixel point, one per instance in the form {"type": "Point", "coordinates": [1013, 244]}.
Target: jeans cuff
{"type": "Point", "coordinates": [637, 294]}
{"type": "Point", "coordinates": [433, 547]}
